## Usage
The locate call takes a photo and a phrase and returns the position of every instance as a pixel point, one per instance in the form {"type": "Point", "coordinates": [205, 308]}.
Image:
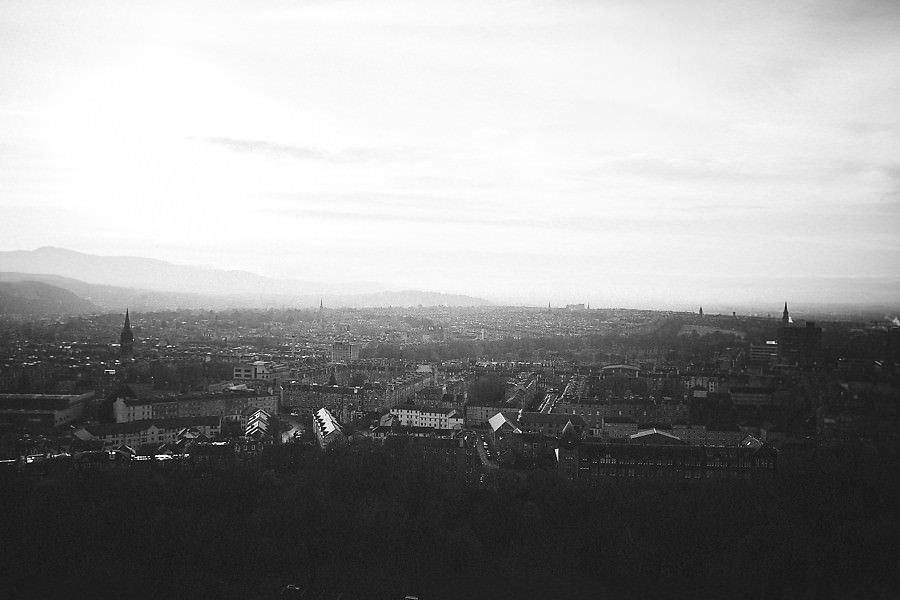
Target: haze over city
{"type": "Point", "coordinates": [648, 154]}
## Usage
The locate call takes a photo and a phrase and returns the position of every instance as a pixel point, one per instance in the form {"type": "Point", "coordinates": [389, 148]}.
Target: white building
{"type": "Point", "coordinates": [261, 370]}
{"type": "Point", "coordinates": [435, 418]}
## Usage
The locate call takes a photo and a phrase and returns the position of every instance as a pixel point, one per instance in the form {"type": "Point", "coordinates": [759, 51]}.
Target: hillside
{"type": "Point", "coordinates": [116, 298]}
{"type": "Point", "coordinates": [117, 281]}
{"type": "Point", "coordinates": [38, 299]}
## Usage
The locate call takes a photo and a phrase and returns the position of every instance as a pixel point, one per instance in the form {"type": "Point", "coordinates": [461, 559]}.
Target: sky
{"type": "Point", "coordinates": [634, 153]}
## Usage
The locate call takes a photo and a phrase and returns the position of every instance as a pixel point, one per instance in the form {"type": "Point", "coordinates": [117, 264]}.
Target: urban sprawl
{"type": "Point", "coordinates": [593, 395]}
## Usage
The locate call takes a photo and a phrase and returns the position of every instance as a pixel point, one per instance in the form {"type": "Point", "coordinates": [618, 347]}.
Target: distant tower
{"type": "Point", "coordinates": [126, 338]}
{"type": "Point", "coordinates": [701, 311]}
{"type": "Point", "coordinates": [321, 311]}
{"type": "Point", "coordinates": [548, 308]}
{"type": "Point", "coordinates": [785, 317]}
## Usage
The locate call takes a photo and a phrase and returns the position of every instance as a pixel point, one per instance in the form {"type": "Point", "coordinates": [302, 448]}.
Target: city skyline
{"type": "Point", "coordinates": [626, 155]}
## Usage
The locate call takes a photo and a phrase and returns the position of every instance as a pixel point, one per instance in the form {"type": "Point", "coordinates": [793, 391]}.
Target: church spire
{"type": "Point", "coordinates": [785, 316]}
{"type": "Point", "coordinates": [126, 338]}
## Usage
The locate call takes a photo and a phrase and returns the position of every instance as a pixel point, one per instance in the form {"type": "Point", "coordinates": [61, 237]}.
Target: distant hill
{"type": "Point", "coordinates": [38, 299]}
{"type": "Point", "coordinates": [115, 298]}
{"type": "Point", "coordinates": [159, 275]}
{"type": "Point", "coordinates": [149, 284]}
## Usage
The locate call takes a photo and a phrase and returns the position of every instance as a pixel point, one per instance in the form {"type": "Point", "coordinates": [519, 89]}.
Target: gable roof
{"type": "Point", "coordinates": [500, 420]}
{"type": "Point", "coordinates": [654, 436]}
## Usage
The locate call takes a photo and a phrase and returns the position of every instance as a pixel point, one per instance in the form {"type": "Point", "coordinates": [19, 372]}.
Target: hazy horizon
{"type": "Point", "coordinates": [131, 272]}
{"type": "Point", "coordinates": [645, 154]}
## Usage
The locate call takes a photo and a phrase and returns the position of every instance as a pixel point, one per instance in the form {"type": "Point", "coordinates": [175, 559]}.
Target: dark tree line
{"type": "Point", "coordinates": [374, 522]}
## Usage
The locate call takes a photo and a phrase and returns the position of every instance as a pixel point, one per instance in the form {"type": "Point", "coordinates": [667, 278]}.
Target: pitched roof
{"type": "Point", "coordinates": [654, 435]}
{"type": "Point", "coordinates": [569, 436]}
{"type": "Point", "coordinates": [499, 420]}
{"type": "Point", "coordinates": [326, 422]}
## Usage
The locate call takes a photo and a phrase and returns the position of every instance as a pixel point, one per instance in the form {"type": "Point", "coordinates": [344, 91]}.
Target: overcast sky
{"type": "Point", "coordinates": [618, 153]}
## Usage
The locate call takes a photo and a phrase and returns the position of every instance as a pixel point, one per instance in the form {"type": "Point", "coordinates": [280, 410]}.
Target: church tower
{"type": "Point", "coordinates": [785, 317]}
{"type": "Point", "coordinates": [126, 339]}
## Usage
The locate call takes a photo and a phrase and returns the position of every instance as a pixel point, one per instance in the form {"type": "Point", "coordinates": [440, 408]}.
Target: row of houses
{"type": "Point", "coordinates": [127, 407]}
{"type": "Point", "coordinates": [42, 411]}
{"type": "Point", "coordinates": [644, 411]}
{"type": "Point", "coordinates": [149, 431]}
{"type": "Point", "coordinates": [186, 453]}
{"type": "Point", "coordinates": [253, 424]}
{"type": "Point", "coordinates": [658, 455]}
{"type": "Point", "coordinates": [534, 436]}
{"type": "Point", "coordinates": [346, 402]}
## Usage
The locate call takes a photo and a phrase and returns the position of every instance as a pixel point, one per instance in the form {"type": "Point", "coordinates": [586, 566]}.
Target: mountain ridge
{"type": "Point", "coordinates": [159, 275]}
{"type": "Point", "coordinates": [115, 282]}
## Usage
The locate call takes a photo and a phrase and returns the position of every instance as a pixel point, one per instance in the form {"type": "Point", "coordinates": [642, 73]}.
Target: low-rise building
{"type": "Point", "coordinates": [151, 431]}
{"type": "Point", "coordinates": [261, 370]}
{"type": "Point", "coordinates": [410, 415]}
{"type": "Point", "coordinates": [658, 455]}
{"type": "Point", "coordinates": [752, 396]}
{"type": "Point", "coordinates": [42, 411]}
{"type": "Point", "coordinates": [344, 402]}
{"type": "Point", "coordinates": [455, 458]}
{"type": "Point", "coordinates": [220, 404]}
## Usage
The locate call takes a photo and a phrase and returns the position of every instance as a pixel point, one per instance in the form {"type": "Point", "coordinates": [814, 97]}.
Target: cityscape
{"type": "Point", "coordinates": [421, 300]}
{"type": "Point", "coordinates": [595, 412]}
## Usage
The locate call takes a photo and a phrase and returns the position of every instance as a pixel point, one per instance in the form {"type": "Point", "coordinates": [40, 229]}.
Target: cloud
{"type": "Point", "coordinates": [310, 153]}
{"type": "Point", "coordinates": [361, 210]}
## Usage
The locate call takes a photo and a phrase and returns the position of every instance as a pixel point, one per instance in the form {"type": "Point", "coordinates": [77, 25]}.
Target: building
{"type": "Point", "coordinates": [42, 411]}
{"type": "Point", "coordinates": [617, 427]}
{"type": "Point", "coordinates": [346, 403]}
{"type": "Point", "coordinates": [410, 415]}
{"type": "Point", "coordinates": [152, 431]}
{"type": "Point", "coordinates": [454, 458]}
{"type": "Point", "coordinates": [8, 439]}
{"type": "Point", "coordinates": [547, 424]}
{"type": "Point", "coordinates": [763, 355]}
{"type": "Point", "coordinates": [752, 396]}
{"type": "Point", "coordinates": [327, 428]}
{"type": "Point", "coordinates": [658, 455]}
{"type": "Point", "coordinates": [800, 345]}
{"type": "Point", "coordinates": [480, 414]}
{"type": "Point", "coordinates": [640, 410]}
{"type": "Point", "coordinates": [344, 352]}
{"type": "Point", "coordinates": [261, 370]}
{"type": "Point", "coordinates": [221, 404]}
